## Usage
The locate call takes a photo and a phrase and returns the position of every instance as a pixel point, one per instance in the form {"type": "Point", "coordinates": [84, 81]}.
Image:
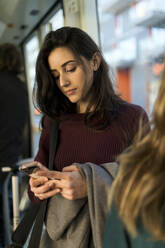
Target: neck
{"type": "Point", "coordinates": [81, 108]}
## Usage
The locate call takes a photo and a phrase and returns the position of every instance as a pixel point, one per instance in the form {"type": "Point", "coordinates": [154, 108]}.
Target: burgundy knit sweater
{"type": "Point", "coordinates": [80, 144]}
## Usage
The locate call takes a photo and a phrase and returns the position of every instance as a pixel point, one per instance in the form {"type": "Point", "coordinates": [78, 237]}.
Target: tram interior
{"type": "Point", "coordinates": [131, 34]}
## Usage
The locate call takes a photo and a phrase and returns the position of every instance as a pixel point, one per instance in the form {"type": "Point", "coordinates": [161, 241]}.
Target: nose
{"type": "Point", "coordinates": [64, 81]}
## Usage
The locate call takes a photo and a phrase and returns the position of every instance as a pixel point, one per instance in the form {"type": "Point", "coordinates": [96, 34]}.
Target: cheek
{"type": "Point", "coordinates": [86, 86]}
{"type": "Point", "coordinates": [89, 79]}
{"type": "Point", "coordinates": [84, 80]}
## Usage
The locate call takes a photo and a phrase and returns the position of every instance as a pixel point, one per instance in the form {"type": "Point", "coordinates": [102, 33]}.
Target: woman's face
{"type": "Point", "coordinates": [73, 78]}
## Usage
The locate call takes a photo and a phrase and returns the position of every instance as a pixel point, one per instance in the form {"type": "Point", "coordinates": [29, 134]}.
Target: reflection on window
{"type": "Point", "coordinates": [31, 53]}
{"type": "Point", "coordinates": [153, 92]}
{"type": "Point", "coordinates": [132, 34]}
{"type": "Point", "coordinates": [152, 46]}
{"type": "Point", "coordinates": [145, 9]}
{"type": "Point", "coordinates": [123, 54]}
{"type": "Point", "coordinates": [31, 50]}
{"type": "Point", "coordinates": [57, 21]}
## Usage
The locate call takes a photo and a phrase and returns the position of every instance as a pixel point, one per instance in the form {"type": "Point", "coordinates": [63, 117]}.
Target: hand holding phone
{"type": "Point", "coordinates": [30, 169]}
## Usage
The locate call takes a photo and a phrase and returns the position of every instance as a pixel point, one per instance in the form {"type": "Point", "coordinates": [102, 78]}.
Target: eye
{"type": "Point", "coordinates": [72, 69]}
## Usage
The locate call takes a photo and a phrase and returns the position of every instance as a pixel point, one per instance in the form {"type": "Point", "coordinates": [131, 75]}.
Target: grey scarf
{"type": "Point", "coordinates": [80, 223]}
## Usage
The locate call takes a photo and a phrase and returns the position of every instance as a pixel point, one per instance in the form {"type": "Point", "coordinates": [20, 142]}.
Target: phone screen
{"type": "Point", "coordinates": [29, 170]}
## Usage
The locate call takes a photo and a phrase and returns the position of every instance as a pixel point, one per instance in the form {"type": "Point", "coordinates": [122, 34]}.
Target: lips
{"type": "Point", "coordinates": [70, 92]}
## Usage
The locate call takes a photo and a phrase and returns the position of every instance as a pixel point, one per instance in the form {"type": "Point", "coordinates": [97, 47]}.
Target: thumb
{"type": "Point", "coordinates": [70, 168]}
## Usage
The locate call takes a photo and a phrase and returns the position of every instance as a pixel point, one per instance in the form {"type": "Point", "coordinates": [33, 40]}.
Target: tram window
{"type": "Point", "coordinates": [57, 21]}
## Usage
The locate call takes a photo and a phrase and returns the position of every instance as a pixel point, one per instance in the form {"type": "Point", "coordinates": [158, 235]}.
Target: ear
{"type": "Point", "coordinates": [95, 61]}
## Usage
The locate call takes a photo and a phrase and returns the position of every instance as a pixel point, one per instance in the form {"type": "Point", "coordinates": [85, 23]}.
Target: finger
{"type": "Point", "coordinates": [36, 182]}
{"type": "Point", "coordinates": [43, 188]}
{"type": "Point", "coordinates": [63, 183]}
{"type": "Point", "coordinates": [68, 195]}
{"type": "Point", "coordinates": [70, 168]}
{"type": "Point", "coordinates": [73, 178]}
{"type": "Point", "coordinates": [48, 194]}
{"type": "Point", "coordinates": [53, 174]}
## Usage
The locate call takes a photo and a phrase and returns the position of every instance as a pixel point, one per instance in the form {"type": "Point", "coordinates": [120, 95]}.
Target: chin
{"type": "Point", "coordinates": [73, 99]}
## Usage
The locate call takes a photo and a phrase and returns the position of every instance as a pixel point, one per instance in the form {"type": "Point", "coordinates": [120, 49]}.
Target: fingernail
{"type": "Point", "coordinates": [51, 184]}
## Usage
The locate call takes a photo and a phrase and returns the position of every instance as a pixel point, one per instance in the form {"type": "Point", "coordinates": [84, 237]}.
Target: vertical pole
{"type": "Point", "coordinates": [15, 189]}
{"type": "Point", "coordinates": [6, 210]}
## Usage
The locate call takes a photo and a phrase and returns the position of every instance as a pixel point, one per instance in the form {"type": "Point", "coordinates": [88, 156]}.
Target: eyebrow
{"type": "Point", "coordinates": [63, 65]}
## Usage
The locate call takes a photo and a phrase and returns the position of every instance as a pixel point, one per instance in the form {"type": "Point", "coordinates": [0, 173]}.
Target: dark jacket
{"type": "Point", "coordinates": [117, 237]}
{"type": "Point", "coordinates": [13, 116]}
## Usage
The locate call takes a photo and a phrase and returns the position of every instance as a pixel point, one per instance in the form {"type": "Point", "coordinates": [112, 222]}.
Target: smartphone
{"type": "Point", "coordinates": [30, 169]}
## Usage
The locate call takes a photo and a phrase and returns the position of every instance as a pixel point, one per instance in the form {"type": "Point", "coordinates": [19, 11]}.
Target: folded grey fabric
{"type": "Point", "coordinates": [80, 223]}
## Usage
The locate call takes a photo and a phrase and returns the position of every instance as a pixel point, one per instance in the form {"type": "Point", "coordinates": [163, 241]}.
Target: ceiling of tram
{"type": "Point", "coordinates": [16, 19]}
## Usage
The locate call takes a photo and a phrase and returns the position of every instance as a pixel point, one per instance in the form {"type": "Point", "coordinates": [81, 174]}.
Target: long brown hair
{"type": "Point", "coordinates": [139, 189]}
{"type": "Point", "coordinates": [48, 97]}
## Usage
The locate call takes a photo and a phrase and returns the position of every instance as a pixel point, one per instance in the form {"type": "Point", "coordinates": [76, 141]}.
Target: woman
{"type": "Point", "coordinates": [136, 219]}
{"type": "Point", "coordinates": [95, 125]}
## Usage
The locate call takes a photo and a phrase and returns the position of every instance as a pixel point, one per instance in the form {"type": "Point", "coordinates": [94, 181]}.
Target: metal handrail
{"type": "Point", "coordinates": [12, 174]}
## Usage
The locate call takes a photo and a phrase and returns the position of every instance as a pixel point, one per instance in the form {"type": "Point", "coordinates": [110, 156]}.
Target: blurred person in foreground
{"type": "Point", "coordinates": [137, 216]}
{"type": "Point", "coordinates": [13, 109]}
